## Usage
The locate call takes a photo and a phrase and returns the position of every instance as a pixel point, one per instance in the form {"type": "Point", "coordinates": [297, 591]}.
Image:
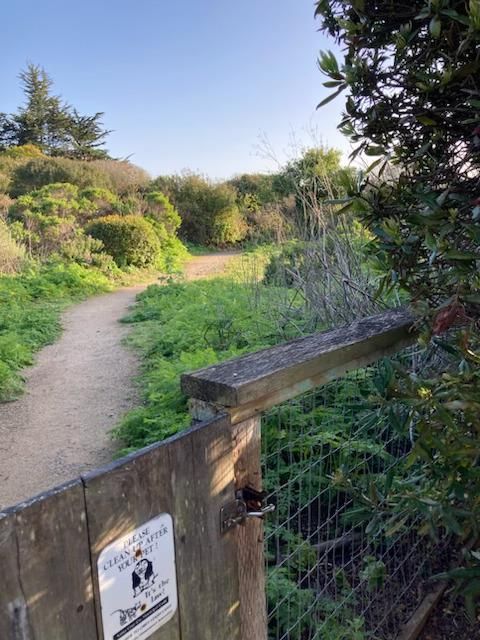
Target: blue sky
{"type": "Point", "coordinates": [190, 84]}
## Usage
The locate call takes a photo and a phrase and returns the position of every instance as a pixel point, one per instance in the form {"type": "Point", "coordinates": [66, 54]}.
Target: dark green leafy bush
{"type": "Point", "coordinates": [39, 172]}
{"type": "Point", "coordinates": [209, 212]}
{"type": "Point", "coordinates": [160, 211]}
{"type": "Point", "coordinates": [130, 240]}
{"type": "Point", "coordinates": [413, 105]}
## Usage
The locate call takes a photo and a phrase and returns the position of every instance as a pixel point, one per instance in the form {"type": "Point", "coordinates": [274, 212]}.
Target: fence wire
{"type": "Point", "coordinates": [333, 571]}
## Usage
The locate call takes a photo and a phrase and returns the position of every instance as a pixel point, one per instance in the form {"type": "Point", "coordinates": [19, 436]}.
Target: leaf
{"type": "Point", "coordinates": [446, 346]}
{"type": "Point", "coordinates": [451, 13]}
{"type": "Point", "coordinates": [346, 207]}
{"type": "Point", "coordinates": [435, 27]}
{"type": "Point", "coordinates": [424, 13]}
{"type": "Point", "coordinates": [374, 164]}
{"type": "Point", "coordinates": [329, 65]}
{"type": "Point", "coordinates": [389, 481]}
{"type": "Point", "coordinates": [331, 84]}
{"type": "Point", "coordinates": [423, 149]}
{"type": "Point", "coordinates": [426, 120]}
{"type": "Point", "coordinates": [453, 254]}
{"type": "Point", "coordinates": [332, 96]}
{"type": "Point", "coordinates": [374, 150]}
{"type": "Point", "coordinates": [396, 527]}
{"type": "Point", "coordinates": [462, 573]}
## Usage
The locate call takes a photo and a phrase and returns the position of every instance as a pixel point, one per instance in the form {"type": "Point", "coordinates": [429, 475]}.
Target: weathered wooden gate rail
{"type": "Point", "coordinates": [49, 545]}
{"type": "Point", "coordinates": [247, 386]}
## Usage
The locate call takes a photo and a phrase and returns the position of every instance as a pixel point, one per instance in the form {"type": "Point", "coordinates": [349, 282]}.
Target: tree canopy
{"type": "Point", "coordinates": [411, 73]}
{"type": "Point", "coordinates": [49, 123]}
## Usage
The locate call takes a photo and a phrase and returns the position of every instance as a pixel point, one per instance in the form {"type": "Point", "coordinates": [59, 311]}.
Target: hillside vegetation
{"type": "Point", "coordinates": [74, 221]}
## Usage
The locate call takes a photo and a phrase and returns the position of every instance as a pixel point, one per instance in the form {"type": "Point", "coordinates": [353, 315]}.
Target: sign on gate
{"type": "Point", "coordinates": [137, 579]}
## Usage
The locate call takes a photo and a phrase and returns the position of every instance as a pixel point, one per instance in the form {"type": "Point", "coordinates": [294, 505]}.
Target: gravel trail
{"type": "Point", "coordinates": [75, 393]}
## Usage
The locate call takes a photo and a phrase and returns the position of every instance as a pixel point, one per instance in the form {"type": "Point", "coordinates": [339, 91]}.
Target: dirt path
{"type": "Point", "coordinates": [75, 393]}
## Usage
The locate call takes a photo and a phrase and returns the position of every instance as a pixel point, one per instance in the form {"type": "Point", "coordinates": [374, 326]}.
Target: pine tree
{"type": "Point", "coordinates": [43, 120]}
{"type": "Point", "coordinates": [87, 135]}
{"type": "Point", "coordinates": [49, 123]}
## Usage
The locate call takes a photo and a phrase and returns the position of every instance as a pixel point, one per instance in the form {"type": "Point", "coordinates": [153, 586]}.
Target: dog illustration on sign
{"type": "Point", "coordinates": [127, 615]}
{"type": "Point", "coordinates": [142, 576]}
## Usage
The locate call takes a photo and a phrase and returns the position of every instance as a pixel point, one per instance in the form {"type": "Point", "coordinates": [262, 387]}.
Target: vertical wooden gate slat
{"type": "Point", "coordinates": [14, 623]}
{"type": "Point", "coordinates": [49, 589]}
{"type": "Point", "coordinates": [250, 551]}
{"type": "Point", "coordinates": [122, 497]}
{"type": "Point", "coordinates": [203, 482]}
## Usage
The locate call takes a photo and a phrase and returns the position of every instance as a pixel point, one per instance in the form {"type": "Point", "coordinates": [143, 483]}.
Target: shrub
{"type": "Point", "coordinates": [12, 254]}
{"type": "Point", "coordinates": [130, 240]}
{"type": "Point", "coordinates": [268, 224]}
{"type": "Point", "coordinates": [228, 227]}
{"type": "Point", "coordinates": [411, 79]}
{"type": "Point", "coordinates": [53, 215]}
{"type": "Point", "coordinates": [96, 202]}
{"type": "Point", "coordinates": [39, 172]}
{"type": "Point", "coordinates": [160, 210]}
{"type": "Point", "coordinates": [5, 204]}
{"type": "Point", "coordinates": [48, 217]}
{"type": "Point", "coordinates": [260, 186]}
{"type": "Point", "coordinates": [173, 255]}
{"type": "Point", "coordinates": [285, 264]}
{"type": "Point", "coordinates": [209, 212]}
{"type": "Point", "coordinates": [120, 177]}
{"type": "Point", "coordinates": [4, 180]}
{"type": "Point", "coordinates": [24, 151]}
{"type": "Point", "coordinates": [7, 167]}
{"type": "Point", "coordinates": [82, 249]}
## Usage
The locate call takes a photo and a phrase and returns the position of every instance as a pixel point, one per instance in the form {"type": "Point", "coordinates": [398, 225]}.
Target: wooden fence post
{"type": "Point", "coordinates": [250, 552]}
{"type": "Point", "coordinates": [249, 536]}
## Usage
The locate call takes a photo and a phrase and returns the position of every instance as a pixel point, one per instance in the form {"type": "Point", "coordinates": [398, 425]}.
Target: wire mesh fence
{"type": "Point", "coordinates": [333, 572]}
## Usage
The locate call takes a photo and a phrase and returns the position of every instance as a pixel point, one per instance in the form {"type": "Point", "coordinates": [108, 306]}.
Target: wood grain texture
{"type": "Point", "coordinates": [14, 621]}
{"type": "Point", "coordinates": [296, 366]}
{"type": "Point", "coordinates": [191, 477]}
{"type": "Point", "coordinates": [250, 542]}
{"type": "Point", "coordinates": [119, 499]}
{"type": "Point", "coordinates": [203, 482]}
{"type": "Point", "coordinates": [417, 622]}
{"type": "Point", "coordinates": [46, 578]}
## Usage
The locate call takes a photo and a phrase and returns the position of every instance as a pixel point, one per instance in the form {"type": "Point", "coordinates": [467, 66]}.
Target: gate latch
{"type": "Point", "coordinates": [249, 503]}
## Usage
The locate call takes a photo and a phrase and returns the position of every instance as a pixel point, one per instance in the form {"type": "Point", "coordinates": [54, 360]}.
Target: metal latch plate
{"type": "Point", "coordinates": [232, 514]}
{"type": "Point", "coordinates": [249, 504]}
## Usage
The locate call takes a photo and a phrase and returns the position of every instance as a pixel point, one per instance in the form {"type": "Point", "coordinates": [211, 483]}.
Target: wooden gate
{"type": "Point", "coordinates": [49, 545]}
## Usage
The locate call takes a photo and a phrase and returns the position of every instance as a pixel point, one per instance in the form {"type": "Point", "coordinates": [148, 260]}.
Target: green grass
{"type": "Point", "coordinates": [30, 308]}
{"type": "Point", "coordinates": [32, 301]}
{"type": "Point", "coordinates": [188, 325]}
{"type": "Point", "coordinates": [200, 249]}
{"type": "Point", "coordinates": [185, 326]}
